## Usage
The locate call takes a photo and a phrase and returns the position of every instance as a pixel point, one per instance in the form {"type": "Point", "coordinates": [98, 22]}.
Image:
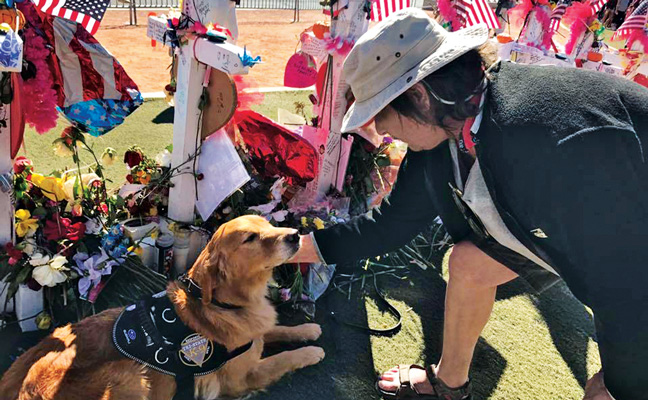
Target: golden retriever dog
{"type": "Point", "coordinates": [79, 361]}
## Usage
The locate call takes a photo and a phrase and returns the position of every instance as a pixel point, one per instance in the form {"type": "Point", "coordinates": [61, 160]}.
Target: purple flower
{"type": "Point", "coordinates": [91, 269]}
{"type": "Point", "coordinates": [387, 139]}
{"type": "Point", "coordinates": [284, 294]}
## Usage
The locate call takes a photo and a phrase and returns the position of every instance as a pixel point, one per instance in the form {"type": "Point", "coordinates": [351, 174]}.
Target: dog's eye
{"type": "Point", "coordinates": [251, 238]}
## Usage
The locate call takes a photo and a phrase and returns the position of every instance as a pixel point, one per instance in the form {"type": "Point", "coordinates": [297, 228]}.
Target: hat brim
{"type": "Point", "coordinates": [455, 44]}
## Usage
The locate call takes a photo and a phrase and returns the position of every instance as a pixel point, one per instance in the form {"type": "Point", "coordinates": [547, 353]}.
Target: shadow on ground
{"type": "Point", "coordinates": [352, 357]}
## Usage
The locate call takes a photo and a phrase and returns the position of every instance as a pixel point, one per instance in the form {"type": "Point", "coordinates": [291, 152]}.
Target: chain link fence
{"type": "Point", "coordinates": [255, 4]}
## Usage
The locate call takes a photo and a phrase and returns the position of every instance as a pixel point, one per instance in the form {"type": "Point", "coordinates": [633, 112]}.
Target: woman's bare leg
{"type": "Point", "coordinates": [470, 296]}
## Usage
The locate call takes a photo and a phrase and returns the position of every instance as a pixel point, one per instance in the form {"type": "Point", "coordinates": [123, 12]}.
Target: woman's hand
{"type": "Point", "coordinates": [306, 252]}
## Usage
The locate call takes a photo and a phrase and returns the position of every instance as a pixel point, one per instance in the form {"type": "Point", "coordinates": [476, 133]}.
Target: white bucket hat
{"type": "Point", "coordinates": [395, 54]}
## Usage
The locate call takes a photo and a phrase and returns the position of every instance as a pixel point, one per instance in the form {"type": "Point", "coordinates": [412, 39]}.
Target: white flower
{"type": "Point", "coordinates": [58, 263]}
{"type": "Point", "coordinates": [50, 274]}
{"type": "Point", "coordinates": [39, 259]}
{"type": "Point", "coordinates": [62, 150]}
{"type": "Point", "coordinates": [108, 156]}
{"type": "Point", "coordinates": [164, 158]}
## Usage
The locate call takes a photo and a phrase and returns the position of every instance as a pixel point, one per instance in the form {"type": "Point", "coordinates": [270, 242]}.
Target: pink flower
{"type": "Point", "coordinates": [21, 164]}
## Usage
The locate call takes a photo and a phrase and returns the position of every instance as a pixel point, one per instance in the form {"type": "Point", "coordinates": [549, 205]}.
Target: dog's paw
{"type": "Point", "coordinates": [311, 332]}
{"type": "Point", "coordinates": [312, 355]}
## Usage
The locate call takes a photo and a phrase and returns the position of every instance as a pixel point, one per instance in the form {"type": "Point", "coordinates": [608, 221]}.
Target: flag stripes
{"type": "Point", "coordinates": [381, 9]}
{"type": "Point", "coordinates": [88, 13]}
{"type": "Point", "coordinates": [556, 17]}
{"type": "Point", "coordinates": [637, 20]}
{"type": "Point", "coordinates": [473, 12]}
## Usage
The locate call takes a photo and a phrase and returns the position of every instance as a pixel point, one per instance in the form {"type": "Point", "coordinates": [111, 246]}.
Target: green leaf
{"type": "Point", "coordinates": [119, 202]}
{"type": "Point", "coordinates": [169, 148]}
{"type": "Point", "coordinates": [12, 289]}
{"type": "Point", "coordinates": [39, 212]}
{"type": "Point", "coordinates": [23, 274]}
{"type": "Point", "coordinates": [75, 189]}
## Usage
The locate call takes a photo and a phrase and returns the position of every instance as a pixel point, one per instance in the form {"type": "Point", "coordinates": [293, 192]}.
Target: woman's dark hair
{"type": "Point", "coordinates": [455, 82]}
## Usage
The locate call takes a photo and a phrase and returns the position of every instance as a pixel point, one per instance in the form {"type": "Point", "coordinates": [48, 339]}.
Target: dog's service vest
{"type": "Point", "coordinates": [151, 333]}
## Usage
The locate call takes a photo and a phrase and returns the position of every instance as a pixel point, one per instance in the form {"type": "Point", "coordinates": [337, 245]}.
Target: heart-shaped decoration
{"type": "Point", "coordinates": [300, 71]}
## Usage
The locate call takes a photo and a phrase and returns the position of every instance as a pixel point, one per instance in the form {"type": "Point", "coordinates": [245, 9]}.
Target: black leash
{"type": "Point", "coordinates": [378, 332]}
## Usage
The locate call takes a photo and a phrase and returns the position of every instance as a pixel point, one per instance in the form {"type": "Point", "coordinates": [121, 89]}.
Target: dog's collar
{"type": "Point", "coordinates": [194, 290]}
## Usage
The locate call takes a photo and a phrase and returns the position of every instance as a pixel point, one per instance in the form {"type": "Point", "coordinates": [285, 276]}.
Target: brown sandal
{"type": "Point", "coordinates": [441, 390]}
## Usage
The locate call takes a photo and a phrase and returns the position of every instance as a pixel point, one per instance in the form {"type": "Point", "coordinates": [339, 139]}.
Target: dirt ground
{"type": "Point", "coordinates": [268, 33]}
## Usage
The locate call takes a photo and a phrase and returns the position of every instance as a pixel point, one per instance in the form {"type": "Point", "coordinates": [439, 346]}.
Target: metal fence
{"type": "Point", "coordinates": [256, 4]}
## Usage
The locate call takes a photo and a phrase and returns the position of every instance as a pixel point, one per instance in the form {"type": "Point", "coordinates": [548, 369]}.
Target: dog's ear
{"type": "Point", "coordinates": [214, 273]}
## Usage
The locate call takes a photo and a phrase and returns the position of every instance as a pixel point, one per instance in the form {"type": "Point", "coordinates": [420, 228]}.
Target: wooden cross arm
{"type": "Point", "coordinates": [222, 56]}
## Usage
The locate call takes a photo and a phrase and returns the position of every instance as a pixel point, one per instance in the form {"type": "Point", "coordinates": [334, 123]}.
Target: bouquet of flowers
{"type": "Point", "coordinates": [68, 236]}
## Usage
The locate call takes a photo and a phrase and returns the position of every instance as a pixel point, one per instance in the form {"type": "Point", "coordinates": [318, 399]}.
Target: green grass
{"type": "Point", "coordinates": [533, 348]}
{"type": "Point", "coordinates": [149, 127]}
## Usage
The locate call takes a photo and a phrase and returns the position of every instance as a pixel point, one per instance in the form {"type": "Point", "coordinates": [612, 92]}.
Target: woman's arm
{"type": "Point", "coordinates": [406, 213]}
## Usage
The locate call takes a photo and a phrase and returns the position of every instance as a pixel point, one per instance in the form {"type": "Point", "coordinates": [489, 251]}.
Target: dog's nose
{"type": "Point", "coordinates": [294, 238]}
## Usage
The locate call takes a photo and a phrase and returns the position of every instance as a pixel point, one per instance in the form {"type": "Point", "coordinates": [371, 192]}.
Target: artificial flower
{"type": "Point", "coordinates": [108, 156]}
{"type": "Point", "coordinates": [284, 294]}
{"type": "Point", "coordinates": [51, 186]}
{"type": "Point", "coordinates": [43, 321]}
{"type": "Point", "coordinates": [319, 224]}
{"type": "Point", "coordinates": [92, 269]}
{"type": "Point", "coordinates": [133, 156]}
{"type": "Point", "coordinates": [77, 210]}
{"type": "Point", "coordinates": [93, 226]}
{"type": "Point", "coordinates": [51, 273]}
{"type": "Point", "coordinates": [163, 159]}
{"type": "Point", "coordinates": [143, 177]}
{"type": "Point", "coordinates": [86, 181]}
{"type": "Point", "coordinates": [39, 259]}
{"type": "Point", "coordinates": [14, 254]}
{"type": "Point", "coordinates": [26, 224]}
{"type": "Point", "coordinates": [61, 150]}
{"type": "Point", "coordinates": [21, 164]}
{"type": "Point", "coordinates": [63, 228]}
{"type": "Point", "coordinates": [103, 207]}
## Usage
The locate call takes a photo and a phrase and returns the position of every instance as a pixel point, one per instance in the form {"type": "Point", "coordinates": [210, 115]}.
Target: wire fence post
{"type": "Point", "coordinates": [133, 12]}
{"type": "Point", "coordinates": [296, 16]}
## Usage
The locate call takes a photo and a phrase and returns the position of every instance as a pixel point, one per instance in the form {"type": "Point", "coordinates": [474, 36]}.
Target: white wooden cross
{"type": "Point", "coordinates": [6, 208]}
{"type": "Point", "coordinates": [350, 23]}
{"type": "Point", "coordinates": [193, 60]}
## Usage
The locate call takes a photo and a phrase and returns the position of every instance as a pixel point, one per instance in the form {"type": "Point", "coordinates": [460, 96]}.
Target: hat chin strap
{"type": "Point", "coordinates": [479, 89]}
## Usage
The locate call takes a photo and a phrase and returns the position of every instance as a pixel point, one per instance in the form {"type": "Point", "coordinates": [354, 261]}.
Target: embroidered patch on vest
{"type": "Point", "coordinates": [195, 350]}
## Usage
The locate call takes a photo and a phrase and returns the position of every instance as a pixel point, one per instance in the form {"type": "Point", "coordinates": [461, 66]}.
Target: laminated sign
{"type": "Point", "coordinates": [11, 52]}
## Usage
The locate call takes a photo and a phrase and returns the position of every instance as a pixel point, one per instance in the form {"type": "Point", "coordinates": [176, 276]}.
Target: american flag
{"type": "Point", "coordinates": [556, 16]}
{"type": "Point", "coordinates": [381, 9]}
{"type": "Point", "coordinates": [597, 5]}
{"type": "Point", "coordinates": [473, 12]}
{"type": "Point", "coordinates": [86, 12]}
{"type": "Point", "coordinates": [637, 20]}
{"type": "Point", "coordinates": [94, 91]}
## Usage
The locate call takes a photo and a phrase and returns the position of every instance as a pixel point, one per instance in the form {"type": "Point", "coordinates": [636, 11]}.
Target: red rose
{"type": "Point", "coordinates": [133, 157]}
{"type": "Point", "coordinates": [103, 207]}
{"type": "Point", "coordinates": [62, 228]}
{"type": "Point", "coordinates": [76, 232]}
{"type": "Point", "coordinates": [129, 178]}
{"type": "Point", "coordinates": [55, 229]}
{"type": "Point", "coordinates": [21, 163]}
